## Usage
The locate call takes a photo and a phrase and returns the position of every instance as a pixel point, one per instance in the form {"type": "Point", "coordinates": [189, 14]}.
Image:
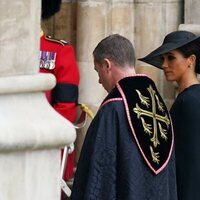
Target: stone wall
{"type": "Point", "coordinates": [192, 14]}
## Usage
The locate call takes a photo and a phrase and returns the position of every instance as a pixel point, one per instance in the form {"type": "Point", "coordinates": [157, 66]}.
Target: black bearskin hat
{"type": "Point", "coordinates": [50, 7]}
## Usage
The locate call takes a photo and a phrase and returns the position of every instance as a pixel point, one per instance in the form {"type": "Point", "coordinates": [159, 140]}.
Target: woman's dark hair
{"type": "Point", "coordinates": [192, 48]}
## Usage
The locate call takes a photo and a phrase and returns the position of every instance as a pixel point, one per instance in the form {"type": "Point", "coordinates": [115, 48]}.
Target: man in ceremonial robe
{"type": "Point", "coordinates": [128, 152]}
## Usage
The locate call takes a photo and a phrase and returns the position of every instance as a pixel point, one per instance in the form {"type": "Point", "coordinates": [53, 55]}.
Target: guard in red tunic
{"type": "Point", "coordinates": [58, 57]}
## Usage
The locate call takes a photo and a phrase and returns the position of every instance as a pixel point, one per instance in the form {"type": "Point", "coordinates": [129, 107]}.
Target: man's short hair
{"type": "Point", "coordinates": [116, 48]}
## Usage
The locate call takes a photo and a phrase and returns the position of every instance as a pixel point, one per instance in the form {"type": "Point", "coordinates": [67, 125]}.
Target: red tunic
{"type": "Point", "coordinates": [58, 57]}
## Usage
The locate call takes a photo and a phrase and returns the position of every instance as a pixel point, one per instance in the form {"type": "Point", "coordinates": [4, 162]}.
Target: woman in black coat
{"type": "Point", "coordinates": [179, 57]}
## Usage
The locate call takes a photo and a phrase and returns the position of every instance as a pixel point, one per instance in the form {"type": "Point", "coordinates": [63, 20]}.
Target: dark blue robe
{"type": "Point", "coordinates": [111, 166]}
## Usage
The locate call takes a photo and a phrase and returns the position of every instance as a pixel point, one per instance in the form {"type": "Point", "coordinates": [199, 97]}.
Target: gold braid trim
{"type": "Point", "coordinates": [62, 42]}
{"type": "Point", "coordinates": [87, 110]}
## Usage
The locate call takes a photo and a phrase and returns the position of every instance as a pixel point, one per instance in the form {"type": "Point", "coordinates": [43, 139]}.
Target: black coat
{"type": "Point", "coordinates": [111, 166]}
{"type": "Point", "coordinates": [185, 114]}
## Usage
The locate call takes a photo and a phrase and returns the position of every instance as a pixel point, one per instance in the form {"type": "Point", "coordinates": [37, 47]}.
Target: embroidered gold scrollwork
{"type": "Point", "coordinates": [158, 119]}
{"type": "Point", "coordinates": [144, 100]}
{"type": "Point", "coordinates": [160, 105]}
{"type": "Point", "coordinates": [155, 155]}
{"type": "Point", "coordinates": [163, 131]}
{"type": "Point", "coordinates": [147, 127]}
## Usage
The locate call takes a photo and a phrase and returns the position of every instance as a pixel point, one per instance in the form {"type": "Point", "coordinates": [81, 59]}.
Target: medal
{"type": "Point", "coordinates": [47, 60]}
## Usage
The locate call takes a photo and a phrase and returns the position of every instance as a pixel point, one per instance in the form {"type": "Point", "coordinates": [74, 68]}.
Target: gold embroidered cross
{"type": "Point", "coordinates": [157, 119]}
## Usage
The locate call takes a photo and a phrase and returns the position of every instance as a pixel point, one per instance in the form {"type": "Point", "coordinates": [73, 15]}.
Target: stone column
{"type": "Point", "coordinates": [160, 18]}
{"type": "Point", "coordinates": [191, 19]}
{"type": "Point", "coordinates": [192, 14]}
{"type": "Point", "coordinates": [97, 19]}
{"type": "Point", "coordinates": [32, 133]}
{"type": "Point", "coordinates": [194, 28]}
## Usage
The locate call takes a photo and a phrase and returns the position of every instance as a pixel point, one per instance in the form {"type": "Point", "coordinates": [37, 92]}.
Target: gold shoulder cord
{"type": "Point", "coordinates": [87, 110]}
{"type": "Point", "coordinates": [62, 42]}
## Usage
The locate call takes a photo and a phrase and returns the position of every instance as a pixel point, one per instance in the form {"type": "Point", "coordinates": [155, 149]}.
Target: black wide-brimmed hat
{"type": "Point", "coordinates": [171, 41]}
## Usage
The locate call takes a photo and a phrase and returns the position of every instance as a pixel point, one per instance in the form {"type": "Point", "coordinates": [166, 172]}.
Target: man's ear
{"type": "Point", "coordinates": [107, 64]}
